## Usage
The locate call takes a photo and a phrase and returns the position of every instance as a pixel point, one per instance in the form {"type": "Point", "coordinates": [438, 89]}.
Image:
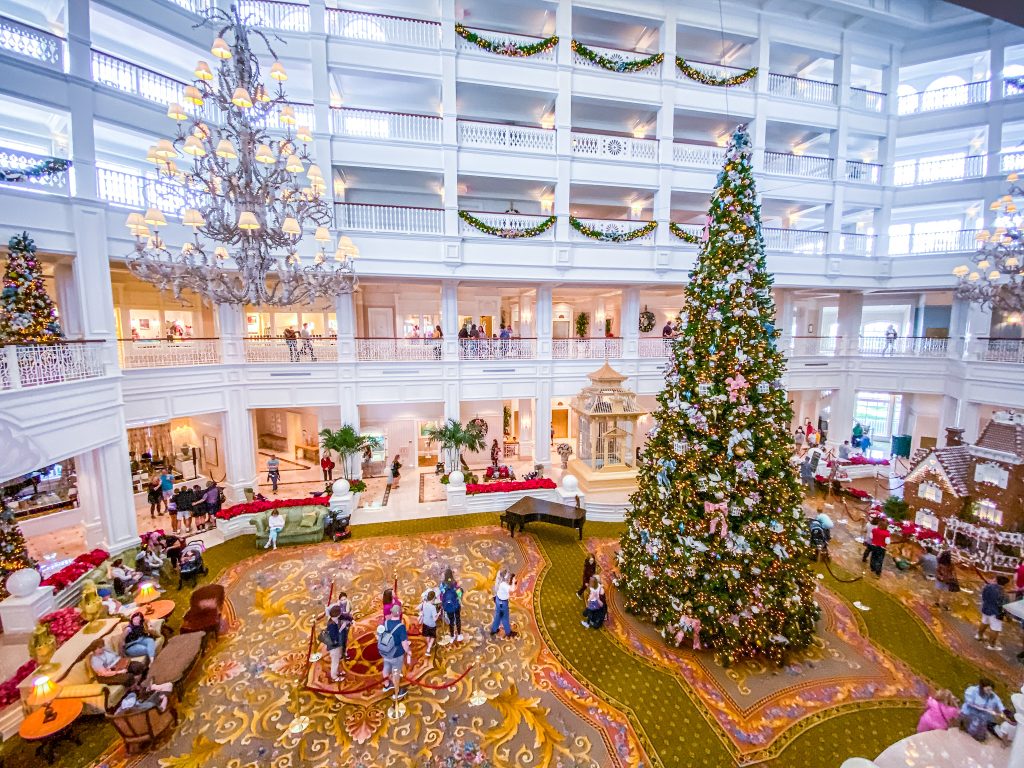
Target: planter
{"type": "Point", "coordinates": [565, 463]}
{"type": "Point", "coordinates": [250, 494]}
{"type": "Point", "coordinates": [236, 526]}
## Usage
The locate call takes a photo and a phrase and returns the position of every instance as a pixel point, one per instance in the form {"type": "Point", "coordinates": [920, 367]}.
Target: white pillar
{"type": "Point", "coordinates": [450, 319]}
{"type": "Point", "coordinates": [345, 313]}
{"type": "Point", "coordinates": [231, 329]}
{"type": "Point", "coordinates": [851, 311]}
{"type": "Point", "coordinates": [449, 120]}
{"type": "Point", "coordinates": [91, 288]}
{"type": "Point", "coordinates": [542, 316]}
{"type": "Point", "coordinates": [240, 450]}
{"type": "Point", "coordinates": [542, 422]}
{"type": "Point", "coordinates": [105, 496]}
{"type": "Point", "coordinates": [967, 419]}
{"type": "Point", "coordinates": [527, 424]}
{"type": "Point", "coordinates": [630, 322]}
{"type": "Point", "coordinates": [68, 300]}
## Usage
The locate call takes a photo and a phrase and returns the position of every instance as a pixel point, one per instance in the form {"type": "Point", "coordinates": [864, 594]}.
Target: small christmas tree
{"type": "Point", "coordinates": [27, 314]}
{"type": "Point", "coordinates": [13, 552]}
{"type": "Point", "coordinates": [716, 542]}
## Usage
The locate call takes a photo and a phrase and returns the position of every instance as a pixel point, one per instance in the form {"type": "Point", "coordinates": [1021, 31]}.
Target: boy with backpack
{"type": "Point", "coordinates": [451, 603]}
{"type": "Point", "coordinates": [332, 640]}
{"type": "Point", "coordinates": [428, 619]}
{"type": "Point", "coordinates": [395, 650]}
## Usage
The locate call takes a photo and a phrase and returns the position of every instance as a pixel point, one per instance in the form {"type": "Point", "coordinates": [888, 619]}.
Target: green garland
{"type": "Point", "coordinates": [508, 234]}
{"type": "Point", "coordinates": [722, 82]}
{"type": "Point", "coordinates": [646, 320]}
{"type": "Point", "coordinates": [616, 65]}
{"type": "Point", "coordinates": [615, 237]}
{"type": "Point", "coordinates": [507, 47]}
{"type": "Point", "coordinates": [45, 168]}
{"type": "Point", "coordinates": [682, 234]}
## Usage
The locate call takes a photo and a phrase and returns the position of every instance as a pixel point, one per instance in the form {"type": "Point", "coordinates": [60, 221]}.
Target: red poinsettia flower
{"type": "Point", "coordinates": [255, 507]}
{"type": "Point", "coordinates": [511, 486]}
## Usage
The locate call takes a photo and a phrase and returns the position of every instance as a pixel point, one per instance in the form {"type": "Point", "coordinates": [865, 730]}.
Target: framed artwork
{"type": "Point", "coordinates": [144, 324]}
{"type": "Point", "coordinates": [210, 449]}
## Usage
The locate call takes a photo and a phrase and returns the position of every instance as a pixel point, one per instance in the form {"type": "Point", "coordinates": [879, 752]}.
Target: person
{"type": "Point", "coordinates": [428, 619]}
{"type": "Point", "coordinates": [291, 341]}
{"type": "Point", "coordinates": [869, 528]}
{"type": "Point", "coordinates": [945, 578]}
{"type": "Point", "coordinates": [274, 472]}
{"type": "Point", "coordinates": [394, 477]}
{"type": "Point", "coordinates": [502, 591]}
{"type": "Point", "coordinates": [495, 453]}
{"type": "Point", "coordinates": [125, 579]}
{"type": "Point", "coordinates": [844, 450]}
{"type": "Point", "coordinates": [1018, 580]}
{"type": "Point", "coordinates": [155, 496]}
{"type": "Point", "coordinates": [821, 533]}
{"type": "Point", "coordinates": [345, 620]}
{"type": "Point", "coordinates": [981, 708]}
{"type": "Point", "coordinates": [879, 541]}
{"type": "Point", "coordinates": [183, 504]}
{"type": "Point", "coordinates": [993, 598]}
{"type": "Point", "coordinates": [940, 712]}
{"type": "Point", "coordinates": [928, 563]}
{"type": "Point", "coordinates": [111, 668]}
{"type": "Point", "coordinates": [395, 650]}
{"type": "Point", "coordinates": [137, 638]}
{"type": "Point", "coordinates": [451, 603]}
{"type": "Point", "coordinates": [389, 601]}
{"type": "Point", "coordinates": [809, 431]}
{"type": "Point", "coordinates": [596, 610]}
{"type": "Point", "coordinates": [668, 331]}
{"type": "Point", "coordinates": [274, 525]}
{"type": "Point", "coordinates": [210, 502]}
{"type": "Point", "coordinates": [172, 510]}
{"type": "Point", "coordinates": [335, 647]}
{"type": "Point", "coordinates": [307, 342]}
{"type": "Point", "coordinates": [505, 335]}
{"type": "Point", "coordinates": [856, 434]}
{"type": "Point", "coordinates": [890, 340]}
{"type": "Point", "coordinates": [173, 545]}
{"type": "Point", "coordinates": [327, 466]}
{"type": "Point", "coordinates": [464, 332]}
{"type": "Point", "coordinates": [167, 487]}
{"type": "Point", "coordinates": [149, 560]}
{"type": "Point", "coordinates": [799, 438]}
{"type": "Point", "coordinates": [807, 474]}
{"type": "Point", "coordinates": [589, 569]}
{"type": "Point", "coordinates": [199, 507]}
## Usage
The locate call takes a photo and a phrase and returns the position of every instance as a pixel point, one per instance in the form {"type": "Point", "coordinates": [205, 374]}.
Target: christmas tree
{"type": "Point", "coordinates": [716, 543]}
{"type": "Point", "coordinates": [13, 553]}
{"type": "Point", "coordinates": [26, 312]}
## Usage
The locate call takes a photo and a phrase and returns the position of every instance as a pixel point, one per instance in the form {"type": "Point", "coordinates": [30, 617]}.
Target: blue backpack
{"type": "Point", "coordinates": [450, 599]}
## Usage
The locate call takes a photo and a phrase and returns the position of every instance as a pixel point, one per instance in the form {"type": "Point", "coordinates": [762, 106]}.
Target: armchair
{"type": "Point", "coordinates": [205, 612]}
{"type": "Point", "coordinates": [140, 727]}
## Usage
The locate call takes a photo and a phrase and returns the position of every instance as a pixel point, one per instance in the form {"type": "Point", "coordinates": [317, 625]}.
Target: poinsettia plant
{"type": "Point", "coordinates": [73, 571]}
{"type": "Point", "coordinates": [510, 487]}
{"type": "Point", "coordinates": [255, 507]}
{"type": "Point", "coordinates": [64, 624]}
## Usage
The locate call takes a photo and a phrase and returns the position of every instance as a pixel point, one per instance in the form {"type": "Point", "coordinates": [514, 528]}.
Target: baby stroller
{"type": "Point", "coordinates": [192, 566]}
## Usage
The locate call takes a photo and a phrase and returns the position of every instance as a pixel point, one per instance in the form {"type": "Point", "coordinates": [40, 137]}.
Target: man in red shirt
{"type": "Point", "coordinates": [1018, 580]}
{"type": "Point", "coordinates": [328, 467]}
{"type": "Point", "coordinates": [879, 540]}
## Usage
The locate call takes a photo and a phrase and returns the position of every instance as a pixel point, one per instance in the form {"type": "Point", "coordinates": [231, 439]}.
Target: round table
{"type": "Point", "coordinates": [36, 727]}
{"type": "Point", "coordinates": [158, 609]}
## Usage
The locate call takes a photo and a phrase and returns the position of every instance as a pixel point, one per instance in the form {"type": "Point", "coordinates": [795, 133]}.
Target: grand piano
{"type": "Point", "coordinates": [529, 510]}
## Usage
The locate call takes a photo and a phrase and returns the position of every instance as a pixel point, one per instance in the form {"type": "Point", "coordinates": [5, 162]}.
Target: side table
{"type": "Point", "coordinates": [48, 733]}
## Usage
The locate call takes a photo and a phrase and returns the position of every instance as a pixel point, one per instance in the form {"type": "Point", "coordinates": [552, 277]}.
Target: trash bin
{"type": "Point", "coordinates": [901, 445]}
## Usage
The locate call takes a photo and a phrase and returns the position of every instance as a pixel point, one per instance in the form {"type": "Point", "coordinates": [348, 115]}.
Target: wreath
{"type": "Point", "coordinates": [646, 320]}
{"type": "Point", "coordinates": [479, 424]}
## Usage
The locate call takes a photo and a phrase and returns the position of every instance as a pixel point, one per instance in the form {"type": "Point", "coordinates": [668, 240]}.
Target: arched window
{"type": "Point", "coordinates": [907, 99]}
{"type": "Point", "coordinates": [946, 91]}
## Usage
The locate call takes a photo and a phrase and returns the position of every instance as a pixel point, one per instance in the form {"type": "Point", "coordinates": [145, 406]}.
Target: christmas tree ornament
{"type": "Point", "coordinates": [27, 313]}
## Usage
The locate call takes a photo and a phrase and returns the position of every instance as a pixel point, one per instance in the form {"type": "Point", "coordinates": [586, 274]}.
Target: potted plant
{"type": "Point", "coordinates": [249, 493]}
{"type": "Point", "coordinates": [582, 324]}
{"type": "Point", "coordinates": [348, 444]}
{"type": "Point", "coordinates": [454, 438]}
{"type": "Point", "coordinates": [564, 452]}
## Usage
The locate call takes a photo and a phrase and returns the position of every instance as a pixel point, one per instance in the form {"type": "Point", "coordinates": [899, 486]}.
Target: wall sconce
{"type": "Point", "coordinates": [547, 204]}
{"type": "Point", "coordinates": [722, 139]}
{"type": "Point", "coordinates": [636, 209]}
{"type": "Point", "coordinates": [547, 121]}
{"type": "Point", "coordinates": [639, 131]}
{"type": "Point", "coordinates": [339, 187]}
{"type": "Point", "coordinates": [526, 314]}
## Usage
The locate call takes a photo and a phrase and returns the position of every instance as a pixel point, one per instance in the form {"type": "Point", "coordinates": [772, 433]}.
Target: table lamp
{"type": "Point", "coordinates": [44, 691]}
{"type": "Point", "coordinates": [147, 593]}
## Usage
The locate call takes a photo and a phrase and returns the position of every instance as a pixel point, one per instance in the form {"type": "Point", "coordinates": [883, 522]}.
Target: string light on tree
{"type": "Point", "coordinates": [27, 314]}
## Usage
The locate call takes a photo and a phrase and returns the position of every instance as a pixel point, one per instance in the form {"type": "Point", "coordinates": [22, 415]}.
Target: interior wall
{"type": "Point", "coordinates": [206, 434]}
{"type": "Point", "coordinates": [399, 423]}
{"type": "Point", "coordinates": [491, 412]}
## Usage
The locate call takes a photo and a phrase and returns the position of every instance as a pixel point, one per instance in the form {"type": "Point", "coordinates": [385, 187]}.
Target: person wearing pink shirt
{"type": "Point", "coordinates": [940, 711]}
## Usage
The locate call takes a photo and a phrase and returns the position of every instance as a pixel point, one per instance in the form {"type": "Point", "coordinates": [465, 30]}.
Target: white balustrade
{"type": "Point", "coordinates": [161, 353]}
{"type": "Point", "coordinates": [585, 349]}
{"type": "Point", "coordinates": [910, 346]}
{"type": "Point", "coordinates": [613, 227]}
{"type": "Point", "coordinates": [655, 347]}
{"type": "Point", "coordinates": [522, 138]}
{"type": "Point", "coordinates": [858, 245]}
{"type": "Point", "coordinates": [617, 55]}
{"type": "Point", "coordinates": [995, 350]}
{"type": "Point", "coordinates": [32, 365]}
{"type": "Point", "coordinates": [867, 100]}
{"type": "Point", "coordinates": [503, 39]}
{"type": "Point", "coordinates": [929, 170]}
{"type": "Point", "coordinates": [604, 147]}
{"type": "Point", "coordinates": [386, 350]}
{"type": "Point", "coordinates": [863, 173]}
{"type": "Point", "coordinates": [816, 346]}
{"type": "Point", "coordinates": [196, 6]}
{"type": "Point", "coordinates": [54, 183]}
{"type": "Point", "coordinates": [804, 166]}
{"type": "Point", "coordinates": [943, 98]}
{"type": "Point", "coordinates": [262, 349]}
{"type": "Point", "coordinates": [795, 240]}
{"type": "Point", "coordinates": [813, 91]}
{"type": "Point", "coordinates": [721, 71]}
{"type": "Point", "coordinates": [506, 221]}
{"type": "Point", "coordinates": [383, 29]}
{"type": "Point", "coordinates": [389, 218]}
{"type": "Point", "coordinates": [1011, 161]}
{"type": "Point", "coordinates": [287, 17]}
{"type": "Point", "coordinates": [697, 155]}
{"type": "Point", "coordinates": [497, 349]}
{"type": "Point", "coordinates": [952, 241]}
{"type": "Point", "coordinates": [31, 43]}
{"type": "Point", "coordinates": [374, 124]}
{"type": "Point", "coordinates": [127, 190]}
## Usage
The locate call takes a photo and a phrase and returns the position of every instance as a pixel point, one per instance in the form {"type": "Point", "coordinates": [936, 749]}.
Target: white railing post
{"type": "Point", "coordinates": [10, 376]}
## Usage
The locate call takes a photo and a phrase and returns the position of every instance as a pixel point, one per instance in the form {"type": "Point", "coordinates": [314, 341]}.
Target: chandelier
{"type": "Point", "coordinates": [248, 195]}
{"type": "Point", "coordinates": [995, 279]}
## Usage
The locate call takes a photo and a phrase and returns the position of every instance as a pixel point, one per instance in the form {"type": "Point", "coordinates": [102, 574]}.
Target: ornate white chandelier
{"type": "Point", "coordinates": [997, 277]}
{"type": "Point", "coordinates": [244, 191]}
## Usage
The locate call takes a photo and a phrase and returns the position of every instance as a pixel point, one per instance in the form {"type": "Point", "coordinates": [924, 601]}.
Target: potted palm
{"type": "Point", "coordinates": [454, 438]}
{"type": "Point", "coordinates": [349, 445]}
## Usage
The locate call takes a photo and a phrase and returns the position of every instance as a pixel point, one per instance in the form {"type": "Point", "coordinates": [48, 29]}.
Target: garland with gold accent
{"type": "Point", "coordinates": [508, 234]}
{"type": "Point", "coordinates": [611, 237]}
{"type": "Point", "coordinates": [37, 171]}
{"type": "Point", "coordinates": [616, 64]}
{"type": "Point", "coordinates": [506, 47]}
{"type": "Point", "coordinates": [682, 234]}
{"type": "Point", "coordinates": [704, 78]}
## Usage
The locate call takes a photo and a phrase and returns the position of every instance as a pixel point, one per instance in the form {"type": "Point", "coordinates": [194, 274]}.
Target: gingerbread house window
{"type": "Point", "coordinates": [926, 519]}
{"type": "Point", "coordinates": [929, 491]}
{"type": "Point", "coordinates": [992, 474]}
{"type": "Point", "coordinates": [988, 513]}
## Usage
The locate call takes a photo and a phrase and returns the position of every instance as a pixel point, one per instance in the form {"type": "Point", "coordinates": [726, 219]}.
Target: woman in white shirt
{"type": "Point", "coordinates": [502, 592]}
{"type": "Point", "coordinates": [596, 609]}
{"type": "Point", "coordinates": [274, 525]}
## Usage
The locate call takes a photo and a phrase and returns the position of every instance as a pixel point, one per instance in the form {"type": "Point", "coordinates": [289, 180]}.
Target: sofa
{"type": "Point", "coordinates": [141, 727]}
{"type": "Point", "coordinates": [303, 525]}
{"type": "Point", "coordinates": [177, 659]}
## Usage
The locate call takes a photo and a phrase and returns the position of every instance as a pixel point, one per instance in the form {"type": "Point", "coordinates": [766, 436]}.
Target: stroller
{"type": "Point", "coordinates": [192, 566]}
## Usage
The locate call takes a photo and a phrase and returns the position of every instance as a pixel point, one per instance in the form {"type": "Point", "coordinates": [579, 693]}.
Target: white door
{"type": "Point", "coordinates": [381, 321]}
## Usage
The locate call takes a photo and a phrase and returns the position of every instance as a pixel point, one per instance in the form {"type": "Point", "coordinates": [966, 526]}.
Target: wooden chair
{"type": "Point", "coordinates": [140, 729]}
{"type": "Point", "coordinates": [205, 613]}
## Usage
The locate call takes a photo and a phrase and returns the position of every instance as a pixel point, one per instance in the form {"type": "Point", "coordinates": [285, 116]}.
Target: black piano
{"type": "Point", "coordinates": [529, 510]}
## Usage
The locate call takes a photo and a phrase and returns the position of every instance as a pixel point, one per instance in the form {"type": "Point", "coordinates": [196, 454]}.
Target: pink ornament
{"type": "Point", "coordinates": [736, 386]}
{"type": "Point", "coordinates": [688, 624]}
{"type": "Point", "coordinates": [717, 514]}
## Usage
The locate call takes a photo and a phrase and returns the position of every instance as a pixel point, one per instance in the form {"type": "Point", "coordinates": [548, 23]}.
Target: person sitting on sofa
{"type": "Point", "coordinates": [138, 641]}
{"type": "Point", "coordinates": [145, 695]}
{"type": "Point", "coordinates": [111, 668]}
{"type": "Point", "coordinates": [149, 560]}
{"type": "Point", "coordinates": [124, 578]}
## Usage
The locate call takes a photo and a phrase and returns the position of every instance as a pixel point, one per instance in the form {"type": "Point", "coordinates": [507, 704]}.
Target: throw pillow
{"type": "Point", "coordinates": [207, 604]}
{"type": "Point", "coordinates": [308, 520]}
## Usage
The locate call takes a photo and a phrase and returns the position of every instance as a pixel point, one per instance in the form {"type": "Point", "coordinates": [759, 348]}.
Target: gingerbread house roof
{"type": "Point", "coordinates": [1003, 436]}
{"type": "Point", "coordinates": [953, 462]}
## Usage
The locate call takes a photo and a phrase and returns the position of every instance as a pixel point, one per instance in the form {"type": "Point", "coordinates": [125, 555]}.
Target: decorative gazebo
{"type": "Point", "coordinates": [606, 415]}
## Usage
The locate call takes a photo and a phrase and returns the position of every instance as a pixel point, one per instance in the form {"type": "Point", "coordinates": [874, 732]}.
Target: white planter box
{"type": "Point", "coordinates": [499, 502]}
{"type": "Point", "coordinates": [236, 526]}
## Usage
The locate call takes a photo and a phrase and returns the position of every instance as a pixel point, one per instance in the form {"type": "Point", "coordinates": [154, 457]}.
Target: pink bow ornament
{"type": "Point", "coordinates": [688, 624]}
{"type": "Point", "coordinates": [717, 514]}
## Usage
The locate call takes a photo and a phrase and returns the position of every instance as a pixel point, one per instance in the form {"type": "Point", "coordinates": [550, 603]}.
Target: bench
{"type": "Point", "coordinates": [530, 509]}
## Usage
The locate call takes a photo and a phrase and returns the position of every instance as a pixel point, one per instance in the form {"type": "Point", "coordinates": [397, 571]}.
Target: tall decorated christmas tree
{"type": "Point", "coordinates": [717, 545]}
{"type": "Point", "coordinates": [13, 552]}
{"type": "Point", "coordinates": [27, 313]}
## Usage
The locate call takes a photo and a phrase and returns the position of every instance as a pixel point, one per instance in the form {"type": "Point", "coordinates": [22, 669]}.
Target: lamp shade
{"type": "Point", "coordinates": [134, 220]}
{"type": "Point", "coordinates": [291, 226]}
{"type": "Point", "coordinates": [961, 271]}
{"type": "Point", "coordinates": [322, 235]}
{"type": "Point", "coordinates": [165, 149]}
{"type": "Point", "coordinates": [314, 172]}
{"type": "Point", "coordinates": [194, 147]}
{"type": "Point", "coordinates": [147, 593]}
{"type": "Point", "coordinates": [241, 98]}
{"type": "Point", "coordinates": [264, 154]}
{"type": "Point", "coordinates": [248, 220]}
{"type": "Point", "coordinates": [201, 131]}
{"type": "Point", "coordinates": [202, 71]}
{"type": "Point", "coordinates": [193, 96]}
{"type": "Point", "coordinates": [294, 164]}
{"type": "Point", "coordinates": [192, 218]}
{"type": "Point", "coordinates": [302, 134]}
{"type": "Point", "coordinates": [277, 72]}
{"type": "Point", "coordinates": [154, 218]}
{"type": "Point", "coordinates": [220, 252]}
{"type": "Point", "coordinates": [43, 691]}
{"type": "Point", "coordinates": [226, 150]}
{"type": "Point", "coordinates": [220, 49]}
{"type": "Point", "coordinates": [287, 116]}
{"type": "Point", "coordinates": [260, 94]}
{"type": "Point", "coordinates": [176, 112]}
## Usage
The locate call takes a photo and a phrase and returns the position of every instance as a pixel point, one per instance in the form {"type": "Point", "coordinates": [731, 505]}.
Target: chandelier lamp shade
{"type": "Point", "coordinates": [995, 277]}
{"type": "Point", "coordinates": [247, 195]}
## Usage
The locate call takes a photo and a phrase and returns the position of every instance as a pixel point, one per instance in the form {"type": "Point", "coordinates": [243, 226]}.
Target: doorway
{"type": "Point", "coordinates": [381, 322]}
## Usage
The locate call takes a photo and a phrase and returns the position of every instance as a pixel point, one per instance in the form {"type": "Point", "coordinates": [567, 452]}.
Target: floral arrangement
{"type": "Point", "coordinates": [866, 461]}
{"type": "Point", "coordinates": [612, 237]}
{"type": "Point", "coordinates": [507, 234]}
{"type": "Point", "coordinates": [255, 507]}
{"type": "Point", "coordinates": [45, 168]}
{"type": "Point", "coordinates": [510, 487]}
{"type": "Point", "coordinates": [855, 493]}
{"type": "Point", "coordinates": [357, 486]}
{"type": "Point", "coordinates": [563, 450]}
{"type": "Point", "coordinates": [9, 692]}
{"type": "Point", "coordinates": [647, 320]}
{"type": "Point", "coordinates": [74, 570]}
{"type": "Point", "coordinates": [63, 625]}
{"type": "Point", "coordinates": [478, 424]}
{"type": "Point", "coordinates": [682, 234]}
{"type": "Point", "coordinates": [705, 79]}
{"type": "Point", "coordinates": [506, 47]}
{"type": "Point", "coordinates": [616, 64]}
{"type": "Point", "coordinates": [503, 473]}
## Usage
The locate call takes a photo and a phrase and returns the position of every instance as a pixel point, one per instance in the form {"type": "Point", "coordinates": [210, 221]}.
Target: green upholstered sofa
{"type": "Point", "coordinates": [302, 525]}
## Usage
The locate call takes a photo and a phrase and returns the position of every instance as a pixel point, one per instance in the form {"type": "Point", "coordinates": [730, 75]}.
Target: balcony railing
{"type": "Point", "coordinates": [604, 147]}
{"type": "Point", "coordinates": [795, 240]}
{"type": "Point", "coordinates": [791, 87]}
{"type": "Point", "coordinates": [954, 241]}
{"type": "Point", "coordinates": [161, 353]}
{"type": "Point", "coordinates": [387, 350]}
{"type": "Point", "coordinates": [720, 71]}
{"type": "Point", "coordinates": [277, 349]}
{"type": "Point", "coordinates": [497, 349]}
{"type": "Point", "coordinates": [857, 245]}
{"type": "Point", "coordinates": [910, 346]}
{"type": "Point", "coordinates": [517, 138]}
{"type": "Point", "coordinates": [461, 44]}
{"type": "Point", "coordinates": [867, 100]}
{"type": "Point", "coordinates": [32, 365]}
{"type": "Point", "coordinates": [652, 72]}
{"type": "Point", "coordinates": [374, 124]}
{"type": "Point", "coordinates": [196, 6]}
{"type": "Point", "coordinates": [135, 191]}
{"type": "Point", "coordinates": [386, 30]}
{"type": "Point", "coordinates": [943, 98]}
{"type": "Point", "coordinates": [613, 227]}
{"type": "Point", "coordinates": [512, 221]}
{"type": "Point", "coordinates": [931, 170]}
{"type": "Point", "coordinates": [697, 155]}
{"type": "Point", "coordinates": [54, 183]}
{"type": "Point", "coordinates": [585, 349]}
{"type": "Point", "coordinates": [655, 347]}
{"type": "Point", "coordinates": [814, 346]}
{"type": "Point", "coordinates": [288, 17]}
{"type": "Point", "coordinates": [804, 166]}
{"type": "Point", "coordinates": [997, 350]}
{"type": "Point", "coordinates": [1011, 161]}
{"type": "Point", "coordinates": [389, 218]}
{"type": "Point", "coordinates": [31, 43]}
{"type": "Point", "coordinates": [863, 173]}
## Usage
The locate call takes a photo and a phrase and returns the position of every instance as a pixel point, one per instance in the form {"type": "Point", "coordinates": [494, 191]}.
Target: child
{"type": "Point", "coordinates": [589, 569]}
{"type": "Point", "coordinates": [274, 525]}
{"type": "Point", "coordinates": [596, 607]}
{"type": "Point", "coordinates": [332, 634]}
{"type": "Point", "coordinates": [428, 619]}
{"type": "Point", "coordinates": [172, 510]}
{"type": "Point", "coordinates": [451, 603]}
{"type": "Point", "coordinates": [388, 600]}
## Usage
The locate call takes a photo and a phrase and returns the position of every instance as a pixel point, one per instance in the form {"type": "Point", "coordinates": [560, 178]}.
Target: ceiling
{"type": "Point", "coordinates": [1007, 10]}
{"type": "Point", "coordinates": [390, 92]}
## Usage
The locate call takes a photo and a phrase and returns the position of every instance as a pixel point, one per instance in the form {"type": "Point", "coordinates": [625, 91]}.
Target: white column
{"type": "Point", "coordinates": [665, 133]}
{"type": "Point", "coordinates": [68, 300]}
{"type": "Point", "coordinates": [449, 120]}
{"type": "Point", "coordinates": [450, 319]}
{"type": "Point", "coordinates": [630, 322]}
{"type": "Point", "coordinates": [345, 313]}
{"type": "Point", "coordinates": [105, 495]}
{"type": "Point", "coordinates": [81, 102]}
{"type": "Point", "coordinates": [563, 126]}
{"type": "Point", "coordinates": [231, 329]}
{"type": "Point", "coordinates": [784, 316]}
{"type": "Point", "coordinates": [527, 424]}
{"type": "Point", "coordinates": [922, 304]}
{"type": "Point", "coordinates": [967, 419]}
{"type": "Point", "coordinates": [92, 291]}
{"type": "Point", "coordinates": [542, 316]}
{"type": "Point", "coordinates": [851, 310]}
{"type": "Point", "coordinates": [840, 423]}
{"type": "Point", "coordinates": [542, 422]}
{"type": "Point", "coordinates": [240, 450]}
